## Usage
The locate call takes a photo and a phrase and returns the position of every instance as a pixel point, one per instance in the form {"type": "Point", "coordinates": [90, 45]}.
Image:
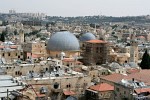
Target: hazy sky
{"type": "Point", "coordinates": [79, 7]}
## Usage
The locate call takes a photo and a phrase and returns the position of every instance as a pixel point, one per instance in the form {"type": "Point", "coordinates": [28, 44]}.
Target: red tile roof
{"type": "Point", "coordinates": [1, 47]}
{"type": "Point", "coordinates": [141, 37]}
{"type": "Point", "coordinates": [140, 90]}
{"type": "Point", "coordinates": [96, 41]}
{"type": "Point", "coordinates": [69, 92]}
{"type": "Point", "coordinates": [114, 77]}
{"type": "Point", "coordinates": [13, 47]}
{"type": "Point", "coordinates": [134, 70]}
{"type": "Point", "coordinates": [142, 75]}
{"type": "Point", "coordinates": [102, 87]}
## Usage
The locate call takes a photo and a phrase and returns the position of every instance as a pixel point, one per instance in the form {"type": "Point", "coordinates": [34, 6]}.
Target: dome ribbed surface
{"type": "Point", "coordinates": [63, 41]}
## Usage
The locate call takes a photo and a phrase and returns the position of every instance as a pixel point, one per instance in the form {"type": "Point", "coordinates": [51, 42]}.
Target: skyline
{"type": "Point", "coordinates": [79, 7]}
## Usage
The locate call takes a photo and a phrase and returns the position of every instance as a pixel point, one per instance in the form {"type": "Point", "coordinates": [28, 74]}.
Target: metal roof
{"type": "Point", "coordinates": [6, 82]}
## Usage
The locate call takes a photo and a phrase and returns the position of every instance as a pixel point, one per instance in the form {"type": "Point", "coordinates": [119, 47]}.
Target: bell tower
{"type": "Point", "coordinates": [134, 51]}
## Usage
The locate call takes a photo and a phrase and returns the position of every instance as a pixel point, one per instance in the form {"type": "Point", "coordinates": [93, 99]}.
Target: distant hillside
{"type": "Point", "coordinates": [101, 19]}
{"type": "Point", "coordinates": [83, 19]}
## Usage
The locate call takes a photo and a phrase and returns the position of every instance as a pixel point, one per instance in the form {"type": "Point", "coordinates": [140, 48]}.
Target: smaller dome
{"type": "Point", "coordinates": [87, 37]}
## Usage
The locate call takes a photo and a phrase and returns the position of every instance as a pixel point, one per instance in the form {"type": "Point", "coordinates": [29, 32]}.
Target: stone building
{"type": "Point", "coordinates": [10, 53]}
{"type": "Point", "coordinates": [101, 91]}
{"type": "Point", "coordinates": [131, 90]}
{"type": "Point", "coordinates": [21, 36]}
{"type": "Point", "coordinates": [94, 52]}
{"type": "Point", "coordinates": [134, 52]}
{"type": "Point", "coordinates": [32, 49]}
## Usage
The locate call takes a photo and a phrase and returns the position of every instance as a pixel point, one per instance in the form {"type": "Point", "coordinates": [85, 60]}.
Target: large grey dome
{"type": "Point", "coordinates": [63, 41]}
{"type": "Point", "coordinates": [87, 37]}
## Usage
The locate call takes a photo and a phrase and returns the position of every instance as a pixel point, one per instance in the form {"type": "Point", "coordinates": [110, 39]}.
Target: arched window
{"type": "Point", "coordinates": [46, 69]}
{"type": "Point", "coordinates": [16, 73]}
{"type": "Point", "coordinates": [56, 85]}
{"type": "Point", "coordinates": [8, 54]}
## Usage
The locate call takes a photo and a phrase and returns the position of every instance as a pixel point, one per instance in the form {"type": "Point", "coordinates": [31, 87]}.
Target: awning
{"type": "Point", "coordinates": [69, 92]}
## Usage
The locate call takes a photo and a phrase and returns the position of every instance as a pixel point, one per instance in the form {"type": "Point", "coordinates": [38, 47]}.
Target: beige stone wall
{"type": "Point", "coordinates": [69, 54]}
{"type": "Point", "coordinates": [78, 84]}
{"type": "Point", "coordinates": [38, 48]}
{"type": "Point", "coordinates": [134, 53]}
{"type": "Point", "coordinates": [112, 58]}
{"type": "Point", "coordinates": [95, 74]}
{"type": "Point", "coordinates": [10, 56]}
{"type": "Point", "coordinates": [35, 48]}
{"type": "Point", "coordinates": [106, 95]}
{"type": "Point", "coordinates": [122, 59]}
{"type": "Point", "coordinates": [27, 47]}
{"type": "Point", "coordinates": [121, 71]}
{"type": "Point", "coordinates": [24, 69]}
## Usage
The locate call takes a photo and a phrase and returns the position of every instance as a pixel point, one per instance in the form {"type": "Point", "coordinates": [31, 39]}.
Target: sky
{"type": "Point", "coordinates": [79, 7]}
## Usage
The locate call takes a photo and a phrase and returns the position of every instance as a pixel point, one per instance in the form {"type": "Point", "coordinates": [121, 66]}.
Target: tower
{"type": "Point", "coordinates": [134, 51]}
{"type": "Point", "coordinates": [21, 35]}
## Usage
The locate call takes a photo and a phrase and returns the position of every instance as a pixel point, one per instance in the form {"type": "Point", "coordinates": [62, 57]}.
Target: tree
{"type": "Point", "coordinates": [145, 63]}
{"type": "Point", "coordinates": [2, 38]}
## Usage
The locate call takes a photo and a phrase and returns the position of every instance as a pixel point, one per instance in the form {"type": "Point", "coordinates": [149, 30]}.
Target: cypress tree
{"type": "Point", "coordinates": [2, 37]}
{"type": "Point", "coordinates": [145, 63]}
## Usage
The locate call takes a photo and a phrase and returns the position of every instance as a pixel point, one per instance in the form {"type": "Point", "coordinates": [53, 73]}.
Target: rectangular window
{"type": "Point", "coordinates": [8, 54]}
{"type": "Point", "coordinates": [124, 92]}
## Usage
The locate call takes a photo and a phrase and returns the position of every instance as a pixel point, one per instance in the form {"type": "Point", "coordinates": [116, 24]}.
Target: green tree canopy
{"type": "Point", "coordinates": [2, 37]}
{"type": "Point", "coordinates": [145, 63]}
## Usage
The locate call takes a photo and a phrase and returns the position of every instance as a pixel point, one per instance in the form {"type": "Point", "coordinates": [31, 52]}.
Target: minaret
{"type": "Point", "coordinates": [21, 36]}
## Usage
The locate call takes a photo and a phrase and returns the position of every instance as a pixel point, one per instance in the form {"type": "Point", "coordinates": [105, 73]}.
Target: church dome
{"type": "Point", "coordinates": [63, 41]}
{"type": "Point", "coordinates": [87, 37]}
